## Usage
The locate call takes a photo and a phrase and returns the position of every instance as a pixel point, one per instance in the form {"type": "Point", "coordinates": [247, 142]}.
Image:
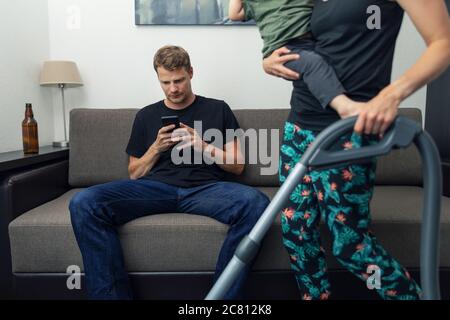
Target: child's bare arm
{"type": "Point", "coordinates": [236, 10]}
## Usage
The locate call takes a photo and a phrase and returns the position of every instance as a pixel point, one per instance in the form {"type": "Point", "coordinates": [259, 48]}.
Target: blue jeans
{"type": "Point", "coordinates": [96, 212]}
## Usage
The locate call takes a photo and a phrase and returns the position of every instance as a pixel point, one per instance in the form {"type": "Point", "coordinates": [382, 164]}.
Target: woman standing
{"type": "Point", "coordinates": [358, 39]}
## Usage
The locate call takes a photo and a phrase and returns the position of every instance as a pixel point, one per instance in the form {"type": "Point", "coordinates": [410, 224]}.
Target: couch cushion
{"type": "Point", "coordinates": [270, 121]}
{"type": "Point", "coordinates": [99, 137]}
{"type": "Point", "coordinates": [42, 239]}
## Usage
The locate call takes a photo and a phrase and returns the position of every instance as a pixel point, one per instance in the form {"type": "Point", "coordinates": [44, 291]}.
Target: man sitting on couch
{"type": "Point", "coordinates": [158, 185]}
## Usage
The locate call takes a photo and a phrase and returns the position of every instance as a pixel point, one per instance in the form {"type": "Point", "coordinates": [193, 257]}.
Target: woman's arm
{"type": "Point", "coordinates": [236, 10]}
{"type": "Point", "coordinates": [432, 21]}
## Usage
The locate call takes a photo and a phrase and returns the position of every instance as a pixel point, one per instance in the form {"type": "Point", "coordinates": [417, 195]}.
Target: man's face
{"type": "Point", "coordinates": [176, 84]}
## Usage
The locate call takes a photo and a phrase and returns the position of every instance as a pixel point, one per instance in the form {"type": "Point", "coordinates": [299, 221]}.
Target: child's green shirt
{"type": "Point", "coordinates": [279, 20]}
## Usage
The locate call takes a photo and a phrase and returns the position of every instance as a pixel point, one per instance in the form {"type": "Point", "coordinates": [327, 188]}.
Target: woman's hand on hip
{"type": "Point", "coordinates": [377, 115]}
{"type": "Point", "coordinates": [274, 64]}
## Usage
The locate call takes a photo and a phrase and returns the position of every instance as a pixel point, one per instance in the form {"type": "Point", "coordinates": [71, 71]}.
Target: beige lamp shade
{"type": "Point", "coordinates": [60, 72]}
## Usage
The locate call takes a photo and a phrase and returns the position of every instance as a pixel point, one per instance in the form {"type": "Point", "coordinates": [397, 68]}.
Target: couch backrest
{"type": "Point", "coordinates": [98, 138]}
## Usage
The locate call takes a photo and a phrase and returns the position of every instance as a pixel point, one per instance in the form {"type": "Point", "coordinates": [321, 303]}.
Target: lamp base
{"type": "Point", "coordinates": [61, 144]}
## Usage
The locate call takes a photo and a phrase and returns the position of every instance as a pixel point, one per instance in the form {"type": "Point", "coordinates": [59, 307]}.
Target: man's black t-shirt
{"type": "Point", "coordinates": [360, 54]}
{"type": "Point", "coordinates": [213, 114]}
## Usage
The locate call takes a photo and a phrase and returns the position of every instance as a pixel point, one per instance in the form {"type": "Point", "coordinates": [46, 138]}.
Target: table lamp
{"type": "Point", "coordinates": [61, 74]}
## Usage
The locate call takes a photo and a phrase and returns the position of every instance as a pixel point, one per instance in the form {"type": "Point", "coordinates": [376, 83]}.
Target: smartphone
{"type": "Point", "coordinates": [168, 120]}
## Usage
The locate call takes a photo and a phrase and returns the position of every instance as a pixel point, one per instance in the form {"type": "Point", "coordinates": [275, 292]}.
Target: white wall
{"type": "Point", "coordinates": [115, 60]}
{"type": "Point", "coordinates": [24, 46]}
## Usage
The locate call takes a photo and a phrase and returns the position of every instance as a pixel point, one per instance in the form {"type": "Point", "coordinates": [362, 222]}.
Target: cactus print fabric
{"type": "Point", "coordinates": [340, 197]}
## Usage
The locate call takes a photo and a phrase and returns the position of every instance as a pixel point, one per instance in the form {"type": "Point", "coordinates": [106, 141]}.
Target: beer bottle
{"type": "Point", "coordinates": [30, 132]}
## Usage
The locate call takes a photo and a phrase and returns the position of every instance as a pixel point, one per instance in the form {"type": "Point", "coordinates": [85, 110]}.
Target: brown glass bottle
{"type": "Point", "coordinates": [30, 131]}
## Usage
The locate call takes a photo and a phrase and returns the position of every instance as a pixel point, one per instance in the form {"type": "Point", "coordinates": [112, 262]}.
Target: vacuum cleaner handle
{"type": "Point", "coordinates": [400, 135]}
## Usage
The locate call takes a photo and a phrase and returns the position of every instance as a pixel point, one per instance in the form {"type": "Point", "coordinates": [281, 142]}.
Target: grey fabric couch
{"type": "Point", "coordinates": [172, 256]}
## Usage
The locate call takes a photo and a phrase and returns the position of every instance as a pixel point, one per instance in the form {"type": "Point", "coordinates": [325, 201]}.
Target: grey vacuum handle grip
{"type": "Point", "coordinates": [399, 135]}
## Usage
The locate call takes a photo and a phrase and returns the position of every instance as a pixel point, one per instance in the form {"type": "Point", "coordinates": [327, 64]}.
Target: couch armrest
{"type": "Point", "coordinates": [29, 189]}
{"type": "Point", "coordinates": [20, 191]}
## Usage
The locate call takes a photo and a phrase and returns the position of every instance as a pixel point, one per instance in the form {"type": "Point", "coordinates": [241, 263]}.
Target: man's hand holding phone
{"type": "Point", "coordinates": [173, 131]}
{"type": "Point", "coordinates": [190, 137]}
{"type": "Point", "coordinates": [164, 140]}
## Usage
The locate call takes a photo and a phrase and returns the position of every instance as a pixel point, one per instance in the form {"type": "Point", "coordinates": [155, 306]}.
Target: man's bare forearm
{"type": "Point", "coordinates": [222, 159]}
{"type": "Point", "coordinates": [143, 165]}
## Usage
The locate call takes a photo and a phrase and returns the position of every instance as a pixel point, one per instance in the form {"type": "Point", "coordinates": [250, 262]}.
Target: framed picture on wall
{"type": "Point", "coordinates": [183, 12]}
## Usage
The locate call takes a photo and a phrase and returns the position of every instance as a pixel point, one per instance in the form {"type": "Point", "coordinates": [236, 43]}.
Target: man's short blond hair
{"type": "Point", "coordinates": [172, 58]}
